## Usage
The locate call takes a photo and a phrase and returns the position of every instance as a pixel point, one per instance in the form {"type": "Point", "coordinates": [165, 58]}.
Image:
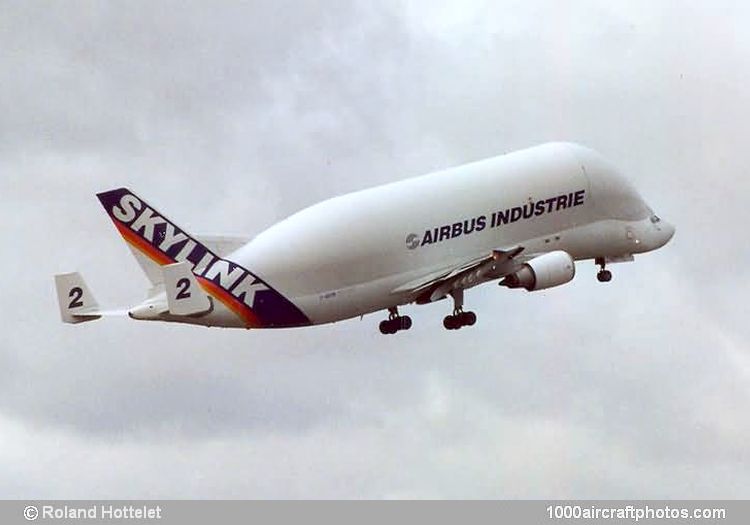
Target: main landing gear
{"type": "Point", "coordinates": [603, 276]}
{"type": "Point", "coordinates": [395, 322]}
{"type": "Point", "coordinates": [459, 318]}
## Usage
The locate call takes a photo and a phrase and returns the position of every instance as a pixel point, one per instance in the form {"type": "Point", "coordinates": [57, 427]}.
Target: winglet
{"type": "Point", "coordinates": [76, 302]}
{"type": "Point", "coordinates": [184, 295]}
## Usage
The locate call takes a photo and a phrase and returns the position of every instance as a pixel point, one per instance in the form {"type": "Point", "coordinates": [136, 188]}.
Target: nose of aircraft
{"type": "Point", "coordinates": [667, 232]}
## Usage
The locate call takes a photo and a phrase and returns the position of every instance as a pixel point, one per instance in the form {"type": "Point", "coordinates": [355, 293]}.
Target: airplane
{"type": "Point", "coordinates": [522, 219]}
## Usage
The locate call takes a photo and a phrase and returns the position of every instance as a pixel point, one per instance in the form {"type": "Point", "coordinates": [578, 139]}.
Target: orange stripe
{"type": "Point", "coordinates": [243, 311]}
{"type": "Point", "coordinates": [142, 246]}
{"type": "Point", "coordinates": [231, 302]}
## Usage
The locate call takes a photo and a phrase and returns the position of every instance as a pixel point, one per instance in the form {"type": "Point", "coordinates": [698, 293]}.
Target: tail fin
{"type": "Point", "coordinates": [219, 244]}
{"type": "Point", "coordinates": [151, 234]}
{"type": "Point", "coordinates": [76, 302]}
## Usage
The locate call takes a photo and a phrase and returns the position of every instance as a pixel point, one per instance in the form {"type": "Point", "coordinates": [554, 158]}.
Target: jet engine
{"type": "Point", "coordinates": [545, 271]}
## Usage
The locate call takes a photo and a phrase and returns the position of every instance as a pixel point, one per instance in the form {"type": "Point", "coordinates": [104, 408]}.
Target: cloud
{"type": "Point", "coordinates": [232, 118]}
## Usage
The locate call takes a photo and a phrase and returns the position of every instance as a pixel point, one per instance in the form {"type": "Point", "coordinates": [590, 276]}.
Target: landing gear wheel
{"type": "Point", "coordinates": [450, 322]}
{"type": "Point", "coordinates": [395, 323]}
{"type": "Point", "coordinates": [459, 320]}
{"type": "Point", "coordinates": [459, 317]}
{"type": "Point", "coordinates": [467, 318]}
{"type": "Point", "coordinates": [387, 327]}
{"type": "Point", "coordinates": [603, 276]}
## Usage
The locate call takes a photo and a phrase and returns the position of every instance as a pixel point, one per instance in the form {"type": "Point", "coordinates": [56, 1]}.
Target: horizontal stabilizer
{"type": "Point", "coordinates": [184, 295]}
{"type": "Point", "coordinates": [76, 302]}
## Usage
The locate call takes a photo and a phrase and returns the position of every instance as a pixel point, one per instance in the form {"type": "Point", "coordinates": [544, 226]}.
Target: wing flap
{"type": "Point", "coordinates": [438, 284]}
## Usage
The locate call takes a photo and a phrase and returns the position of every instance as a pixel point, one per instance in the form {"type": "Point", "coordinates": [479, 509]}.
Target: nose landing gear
{"type": "Point", "coordinates": [395, 322]}
{"type": "Point", "coordinates": [603, 276]}
{"type": "Point", "coordinates": [459, 318]}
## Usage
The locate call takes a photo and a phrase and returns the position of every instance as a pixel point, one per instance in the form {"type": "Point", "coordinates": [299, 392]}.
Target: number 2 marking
{"type": "Point", "coordinates": [183, 285]}
{"type": "Point", "coordinates": [75, 295]}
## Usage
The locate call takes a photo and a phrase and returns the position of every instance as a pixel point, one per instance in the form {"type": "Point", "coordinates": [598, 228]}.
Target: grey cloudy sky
{"type": "Point", "coordinates": [231, 116]}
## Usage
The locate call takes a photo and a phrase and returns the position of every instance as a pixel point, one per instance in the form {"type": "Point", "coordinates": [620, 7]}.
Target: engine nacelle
{"type": "Point", "coordinates": [548, 270]}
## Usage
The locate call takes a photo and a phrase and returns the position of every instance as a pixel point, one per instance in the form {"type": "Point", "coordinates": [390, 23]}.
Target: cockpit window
{"type": "Point", "coordinates": [655, 218]}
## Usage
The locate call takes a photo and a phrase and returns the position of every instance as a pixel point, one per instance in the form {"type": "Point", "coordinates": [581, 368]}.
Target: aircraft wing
{"type": "Point", "coordinates": [436, 285]}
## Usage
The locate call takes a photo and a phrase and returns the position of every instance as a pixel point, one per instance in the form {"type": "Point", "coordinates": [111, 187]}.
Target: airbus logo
{"type": "Point", "coordinates": [412, 241]}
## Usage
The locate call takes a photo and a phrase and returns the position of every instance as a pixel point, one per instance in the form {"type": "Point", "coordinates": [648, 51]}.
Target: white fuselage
{"type": "Point", "coordinates": [351, 255]}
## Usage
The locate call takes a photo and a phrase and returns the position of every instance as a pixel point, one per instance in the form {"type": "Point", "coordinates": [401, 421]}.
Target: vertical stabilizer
{"type": "Point", "coordinates": [162, 242]}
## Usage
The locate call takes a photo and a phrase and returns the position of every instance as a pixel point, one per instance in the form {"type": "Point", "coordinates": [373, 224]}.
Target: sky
{"type": "Point", "coordinates": [231, 116]}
